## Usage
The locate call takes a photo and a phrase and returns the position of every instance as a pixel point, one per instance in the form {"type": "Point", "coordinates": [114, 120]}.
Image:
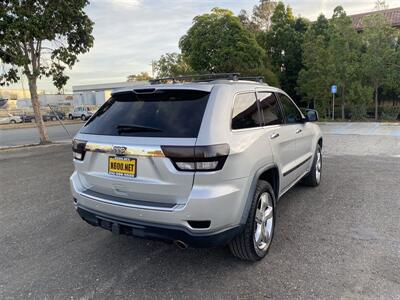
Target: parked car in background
{"type": "Point", "coordinates": [27, 118]}
{"type": "Point", "coordinates": [80, 112]}
{"type": "Point", "coordinates": [10, 119]}
{"type": "Point", "coordinates": [52, 116]}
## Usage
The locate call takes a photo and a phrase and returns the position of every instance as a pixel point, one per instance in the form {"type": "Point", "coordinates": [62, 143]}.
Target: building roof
{"type": "Point", "coordinates": [393, 16]}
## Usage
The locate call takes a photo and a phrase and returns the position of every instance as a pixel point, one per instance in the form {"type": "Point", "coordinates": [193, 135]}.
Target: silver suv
{"type": "Point", "coordinates": [200, 164]}
{"type": "Point", "coordinates": [80, 112]}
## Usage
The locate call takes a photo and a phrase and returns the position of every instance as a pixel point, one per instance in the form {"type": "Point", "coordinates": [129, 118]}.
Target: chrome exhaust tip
{"type": "Point", "coordinates": [180, 244]}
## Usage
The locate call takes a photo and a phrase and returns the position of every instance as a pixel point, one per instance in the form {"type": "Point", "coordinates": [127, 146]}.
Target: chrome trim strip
{"type": "Point", "coordinates": [149, 151]}
{"type": "Point", "coordinates": [92, 197]}
{"type": "Point", "coordinates": [297, 166]}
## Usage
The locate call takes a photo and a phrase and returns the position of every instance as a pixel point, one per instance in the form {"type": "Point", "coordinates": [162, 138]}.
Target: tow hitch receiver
{"type": "Point", "coordinates": [115, 228]}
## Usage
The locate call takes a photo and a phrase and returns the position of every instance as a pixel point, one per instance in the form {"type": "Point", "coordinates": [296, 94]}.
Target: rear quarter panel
{"type": "Point", "coordinates": [249, 150]}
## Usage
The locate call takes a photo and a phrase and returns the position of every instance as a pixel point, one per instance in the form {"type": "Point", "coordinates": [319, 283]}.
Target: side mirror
{"type": "Point", "coordinates": [312, 115]}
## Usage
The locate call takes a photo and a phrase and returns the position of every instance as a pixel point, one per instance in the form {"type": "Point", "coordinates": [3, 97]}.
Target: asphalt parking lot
{"type": "Point", "coordinates": [340, 240]}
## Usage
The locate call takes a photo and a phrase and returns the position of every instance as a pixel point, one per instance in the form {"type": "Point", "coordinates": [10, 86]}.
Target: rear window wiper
{"type": "Point", "coordinates": [136, 128]}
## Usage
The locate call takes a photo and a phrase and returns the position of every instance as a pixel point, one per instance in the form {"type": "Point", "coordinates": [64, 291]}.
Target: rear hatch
{"type": "Point", "coordinates": [122, 159]}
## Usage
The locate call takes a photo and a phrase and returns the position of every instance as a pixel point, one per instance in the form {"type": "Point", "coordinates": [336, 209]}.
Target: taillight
{"type": "Point", "coordinates": [197, 158]}
{"type": "Point", "coordinates": [78, 149]}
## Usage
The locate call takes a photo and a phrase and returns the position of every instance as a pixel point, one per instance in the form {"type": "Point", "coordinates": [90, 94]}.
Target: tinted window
{"type": "Point", "coordinates": [270, 109]}
{"type": "Point", "coordinates": [291, 112]}
{"type": "Point", "coordinates": [163, 113]}
{"type": "Point", "coordinates": [245, 112]}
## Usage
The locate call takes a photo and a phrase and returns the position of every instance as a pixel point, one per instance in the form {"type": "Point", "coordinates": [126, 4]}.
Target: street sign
{"type": "Point", "coordinates": [334, 89]}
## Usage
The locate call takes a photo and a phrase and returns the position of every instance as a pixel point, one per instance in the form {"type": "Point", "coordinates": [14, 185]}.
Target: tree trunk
{"type": "Point", "coordinates": [343, 116]}
{"type": "Point", "coordinates": [376, 103]}
{"type": "Point", "coordinates": [44, 138]}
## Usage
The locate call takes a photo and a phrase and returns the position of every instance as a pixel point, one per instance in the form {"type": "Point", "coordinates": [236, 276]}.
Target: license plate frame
{"type": "Point", "coordinates": [121, 170]}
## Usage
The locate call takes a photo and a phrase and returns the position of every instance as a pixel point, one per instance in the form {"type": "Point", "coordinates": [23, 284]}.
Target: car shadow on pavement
{"type": "Point", "coordinates": [123, 262]}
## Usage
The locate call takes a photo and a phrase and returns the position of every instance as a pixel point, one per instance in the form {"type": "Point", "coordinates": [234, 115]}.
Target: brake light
{"type": "Point", "coordinates": [78, 149]}
{"type": "Point", "coordinates": [197, 158]}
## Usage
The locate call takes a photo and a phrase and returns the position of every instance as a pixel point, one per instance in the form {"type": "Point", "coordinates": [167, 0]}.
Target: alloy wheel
{"type": "Point", "coordinates": [318, 166]}
{"type": "Point", "coordinates": [263, 222]}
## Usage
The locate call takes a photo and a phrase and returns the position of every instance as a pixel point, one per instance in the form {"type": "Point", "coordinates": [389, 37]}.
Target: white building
{"type": "Point", "coordinates": [45, 100]}
{"type": "Point", "coordinates": [97, 94]}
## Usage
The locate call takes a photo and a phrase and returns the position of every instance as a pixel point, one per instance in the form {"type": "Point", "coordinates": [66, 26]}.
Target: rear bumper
{"type": "Point", "coordinates": [157, 231]}
{"type": "Point", "coordinates": [219, 204]}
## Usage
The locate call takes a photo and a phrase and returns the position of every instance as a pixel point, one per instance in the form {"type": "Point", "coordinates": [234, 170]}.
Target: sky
{"type": "Point", "coordinates": [129, 34]}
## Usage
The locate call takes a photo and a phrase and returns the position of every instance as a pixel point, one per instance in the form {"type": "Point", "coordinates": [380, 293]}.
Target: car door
{"type": "Point", "coordinates": [301, 134]}
{"type": "Point", "coordinates": [279, 135]}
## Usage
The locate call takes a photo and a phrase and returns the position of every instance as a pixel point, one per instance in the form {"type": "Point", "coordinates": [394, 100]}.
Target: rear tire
{"type": "Point", "coordinates": [13, 122]}
{"type": "Point", "coordinates": [255, 240]}
{"type": "Point", "coordinates": [70, 117]}
{"type": "Point", "coordinates": [313, 178]}
{"type": "Point", "coordinates": [83, 118]}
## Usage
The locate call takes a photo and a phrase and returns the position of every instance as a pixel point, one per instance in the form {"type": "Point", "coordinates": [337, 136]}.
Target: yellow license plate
{"type": "Point", "coordinates": [122, 166]}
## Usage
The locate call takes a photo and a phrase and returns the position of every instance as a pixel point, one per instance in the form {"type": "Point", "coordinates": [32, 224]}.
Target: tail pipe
{"type": "Point", "coordinates": [180, 244]}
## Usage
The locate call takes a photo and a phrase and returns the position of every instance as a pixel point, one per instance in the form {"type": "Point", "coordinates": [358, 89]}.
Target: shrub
{"type": "Point", "coordinates": [358, 112]}
{"type": "Point", "coordinates": [390, 113]}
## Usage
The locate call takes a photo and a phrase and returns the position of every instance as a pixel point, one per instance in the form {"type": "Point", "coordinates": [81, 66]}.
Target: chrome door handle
{"type": "Point", "coordinates": [298, 131]}
{"type": "Point", "coordinates": [274, 136]}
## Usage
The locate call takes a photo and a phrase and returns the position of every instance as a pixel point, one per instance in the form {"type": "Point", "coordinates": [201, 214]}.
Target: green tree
{"type": "Point", "coordinates": [321, 27]}
{"type": "Point", "coordinates": [260, 20]}
{"type": "Point", "coordinates": [248, 23]}
{"type": "Point", "coordinates": [142, 76]}
{"type": "Point", "coordinates": [269, 76]}
{"type": "Point", "coordinates": [171, 65]}
{"type": "Point", "coordinates": [218, 42]}
{"type": "Point", "coordinates": [315, 78]}
{"type": "Point", "coordinates": [359, 97]}
{"type": "Point", "coordinates": [283, 44]}
{"type": "Point", "coordinates": [396, 65]}
{"type": "Point", "coordinates": [344, 52]}
{"type": "Point", "coordinates": [380, 55]}
{"type": "Point", "coordinates": [43, 37]}
{"type": "Point", "coordinates": [281, 35]}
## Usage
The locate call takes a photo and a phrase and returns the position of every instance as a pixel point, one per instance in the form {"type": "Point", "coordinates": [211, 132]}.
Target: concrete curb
{"type": "Point", "coordinates": [33, 125]}
{"type": "Point", "coordinates": [345, 123]}
{"type": "Point", "coordinates": [10, 148]}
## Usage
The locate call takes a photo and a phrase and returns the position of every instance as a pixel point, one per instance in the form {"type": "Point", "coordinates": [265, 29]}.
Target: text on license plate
{"type": "Point", "coordinates": [122, 166]}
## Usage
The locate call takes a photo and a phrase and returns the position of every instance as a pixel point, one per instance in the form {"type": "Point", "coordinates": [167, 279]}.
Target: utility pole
{"type": "Point", "coordinates": [333, 91]}
{"type": "Point", "coordinates": [333, 107]}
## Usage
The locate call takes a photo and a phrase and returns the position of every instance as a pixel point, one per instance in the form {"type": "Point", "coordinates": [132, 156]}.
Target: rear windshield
{"type": "Point", "coordinates": [163, 113]}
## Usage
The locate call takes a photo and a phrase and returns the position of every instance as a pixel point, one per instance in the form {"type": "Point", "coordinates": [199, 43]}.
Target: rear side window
{"type": "Point", "coordinates": [245, 112]}
{"type": "Point", "coordinates": [292, 113]}
{"type": "Point", "coordinates": [162, 113]}
{"type": "Point", "coordinates": [270, 109]}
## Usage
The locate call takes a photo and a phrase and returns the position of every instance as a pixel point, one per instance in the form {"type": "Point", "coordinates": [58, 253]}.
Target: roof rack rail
{"type": "Point", "coordinates": [259, 79]}
{"type": "Point", "coordinates": [206, 78]}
